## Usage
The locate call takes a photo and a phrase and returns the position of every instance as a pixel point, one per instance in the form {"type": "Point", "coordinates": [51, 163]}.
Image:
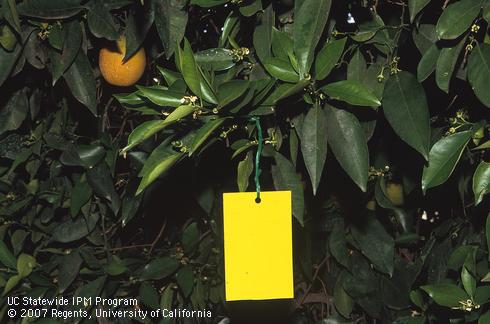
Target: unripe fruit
{"type": "Point", "coordinates": [395, 194]}
{"type": "Point", "coordinates": [117, 72]}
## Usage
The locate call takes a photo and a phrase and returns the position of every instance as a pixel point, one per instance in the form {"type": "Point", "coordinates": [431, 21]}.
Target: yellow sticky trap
{"type": "Point", "coordinates": [258, 246]}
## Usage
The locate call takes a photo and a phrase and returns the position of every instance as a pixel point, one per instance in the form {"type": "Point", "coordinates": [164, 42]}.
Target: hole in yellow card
{"type": "Point", "coordinates": [258, 246]}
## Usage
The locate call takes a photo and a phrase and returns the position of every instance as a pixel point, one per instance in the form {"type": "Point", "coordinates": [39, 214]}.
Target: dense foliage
{"type": "Point", "coordinates": [376, 114]}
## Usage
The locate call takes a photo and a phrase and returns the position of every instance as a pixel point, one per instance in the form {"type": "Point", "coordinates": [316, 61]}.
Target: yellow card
{"type": "Point", "coordinates": [258, 246]}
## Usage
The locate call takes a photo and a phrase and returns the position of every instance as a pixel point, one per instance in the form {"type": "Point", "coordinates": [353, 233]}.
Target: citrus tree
{"type": "Point", "coordinates": [122, 122]}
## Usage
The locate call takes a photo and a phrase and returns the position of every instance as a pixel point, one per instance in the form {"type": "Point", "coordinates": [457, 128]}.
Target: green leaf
{"type": "Point", "coordinates": [159, 268]}
{"type": "Point", "coordinates": [100, 179]}
{"type": "Point", "coordinates": [185, 280]}
{"type": "Point", "coordinates": [203, 134]}
{"type": "Point", "coordinates": [427, 64]}
{"type": "Point", "coordinates": [448, 295]}
{"type": "Point", "coordinates": [343, 302]}
{"type": "Point", "coordinates": [170, 22]}
{"type": "Point", "coordinates": [25, 264]}
{"type": "Point", "coordinates": [231, 90]}
{"type": "Point", "coordinates": [479, 72]}
{"type": "Point", "coordinates": [405, 108]}
{"type": "Point", "coordinates": [443, 158]}
{"type": "Point", "coordinates": [190, 70]}
{"type": "Point", "coordinates": [115, 267]}
{"type": "Point", "coordinates": [101, 23]}
{"type": "Point", "coordinates": [351, 92]}
{"type": "Point", "coordinates": [286, 178]}
{"type": "Point", "coordinates": [49, 9]}
{"type": "Point", "coordinates": [356, 69]}
{"type": "Point", "coordinates": [80, 80]}
{"type": "Point", "coordinates": [314, 144]}
{"type": "Point", "coordinates": [93, 288]}
{"type": "Point", "coordinates": [281, 69]}
{"type": "Point", "coordinates": [149, 295]}
{"type": "Point", "coordinates": [137, 26]}
{"type": "Point", "coordinates": [469, 282]}
{"type": "Point", "coordinates": [215, 59]}
{"type": "Point", "coordinates": [190, 238]}
{"type": "Point", "coordinates": [6, 257]}
{"type": "Point", "coordinates": [415, 6]}
{"type": "Point", "coordinates": [72, 230]}
{"type": "Point", "coordinates": [348, 143]}
{"type": "Point", "coordinates": [446, 64]}
{"type": "Point", "coordinates": [485, 318]}
{"type": "Point", "coordinates": [161, 96]}
{"type": "Point", "coordinates": [8, 61]}
{"type": "Point", "coordinates": [11, 283]}
{"type": "Point", "coordinates": [424, 37]}
{"type": "Point", "coordinates": [376, 244]}
{"type": "Point", "coordinates": [310, 18]}
{"type": "Point", "coordinates": [159, 162]}
{"type": "Point", "coordinates": [262, 37]}
{"type": "Point", "coordinates": [80, 195]}
{"type": "Point", "coordinates": [13, 114]}
{"type": "Point", "coordinates": [457, 18]}
{"type": "Point", "coordinates": [69, 269]}
{"type": "Point", "coordinates": [150, 128]}
{"type": "Point", "coordinates": [244, 170]}
{"type": "Point", "coordinates": [328, 57]}
{"type": "Point", "coordinates": [487, 234]}
{"type": "Point", "coordinates": [338, 245]}
{"type": "Point", "coordinates": [7, 38]}
{"type": "Point", "coordinates": [481, 181]}
{"type": "Point", "coordinates": [72, 42]}
{"type": "Point", "coordinates": [282, 44]}
{"type": "Point", "coordinates": [10, 14]}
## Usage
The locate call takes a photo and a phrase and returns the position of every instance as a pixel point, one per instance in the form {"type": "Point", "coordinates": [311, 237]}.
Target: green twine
{"type": "Point", "coordinates": [260, 144]}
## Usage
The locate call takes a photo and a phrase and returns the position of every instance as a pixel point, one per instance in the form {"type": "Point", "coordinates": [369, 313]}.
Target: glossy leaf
{"type": "Point", "coordinates": [101, 23]}
{"type": "Point", "coordinates": [286, 178]}
{"type": "Point", "coordinates": [231, 90]}
{"type": "Point", "coordinates": [443, 158]}
{"type": "Point", "coordinates": [310, 20]}
{"type": "Point", "coordinates": [481, 181]}
{"type": "Point", "coordinates": [160, 161]}
{"type": "Point", "coordinates": [150, 128]}
{"type": "Point", "coordinates": [448, 295]}
{"type": "Point", "coordinates": [457, 18]}
{"type": "Point", "coordinates": [6, 257]}
{"type": "Point", "coordinates": [376, 244]}
{"type": "Point", "coordinates": [405, 108]}
{"type": "Point", "coordinates": [100, 179]}
{"type": "Point", "coordinates": [203, 134]}
{"type": "Point", "coordinates": [415, 6]}
{"type": "Point", "coordinates": [170, 22]}
{"type": "Point", "coordinates": [262, 37]}
{"type": "Point", "coordinates": [25, 264]}
{"type": "Point", "coordinates": [162, 97]}
{"type": "Point", "coordinates": [14, 112]}
{"type": "Point", "coordinates": [328, 57]}
{"type": "Point", "coordinates": [314, 144]}
{"type": "Point", "coordinates": [446, 64]}
{"type": "Point", "coordinates": [479, 72]}
{"type": "Point", "coordinates": [351, 92]}
{"type": "Point", "coordinates": [69, 269]}
{"type": "Point", "coordinates": [49, 9]}
{"type": "Point", "coordinates": [159, 268]}
{"type": "Point", "coordinates": [80, 80]}
{"type": "Point", "coordinates": [427, 64]}
{"type": "Point", "coordinates": [185, 280]}
{"type": "Point", "coordinates": [80, 195]}
{"type": "Point", "coordinates": [215, 59]}
{"type": "Point", "coordinates": [244, 170]}
{"type": "Point", "coordinates": [348, 143]}
{"type": "Point", "coordinates": [281, 69]}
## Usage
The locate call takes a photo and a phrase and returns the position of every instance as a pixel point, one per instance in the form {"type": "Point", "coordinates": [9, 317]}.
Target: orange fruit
{"type": "Point", "coordinates": [117, 72]}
